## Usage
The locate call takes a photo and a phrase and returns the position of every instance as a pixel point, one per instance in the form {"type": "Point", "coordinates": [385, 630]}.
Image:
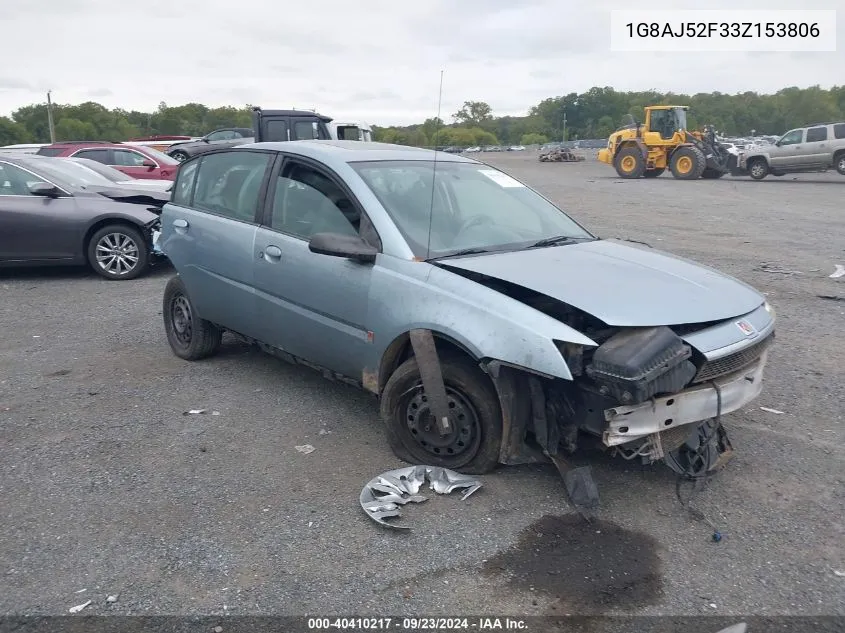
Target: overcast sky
{"type": "Point", "coordinates": [375, 60]}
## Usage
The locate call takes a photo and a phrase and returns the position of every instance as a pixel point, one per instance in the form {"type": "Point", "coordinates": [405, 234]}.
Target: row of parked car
{"type": "Point", "coordinates": [83, 203]}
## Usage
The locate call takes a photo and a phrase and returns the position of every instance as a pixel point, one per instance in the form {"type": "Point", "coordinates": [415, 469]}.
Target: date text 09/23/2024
{"type": "Point", "coordinates": [418, 624]}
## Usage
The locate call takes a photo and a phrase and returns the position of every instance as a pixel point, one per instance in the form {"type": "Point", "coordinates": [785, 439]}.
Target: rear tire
{"type": "Point", "coordinates": [687, 163]}
{"type": "Point", "coordinates": [473, 446]}
{"type": "Point", "coordinates": [179, 155]}
{"type": "Point", "coordinates": [839, 161]}
{"type": "Point", "coordinates": [190, 337]}
{"type": "Point", "coordinates": [629, 163]}
{"type": "Point", "coordinates": [654, 173]}
{"type": "Point", "coordinates": [758, 168]}
{"type": "Point", "coordinates": [118, 252]}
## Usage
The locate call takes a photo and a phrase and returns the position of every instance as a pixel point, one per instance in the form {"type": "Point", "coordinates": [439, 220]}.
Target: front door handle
{"type": "Point", "coordinates": [180, 223]}
{"type": "Point", "coordinates": [272, 253]}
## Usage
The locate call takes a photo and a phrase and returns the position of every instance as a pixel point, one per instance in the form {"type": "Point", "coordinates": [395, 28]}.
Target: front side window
{"type": "Point", "coordinates": [304, 130]}
{"type": "Point", "coordinates": [450, 207]}
{"type": "Point", "coordinates": [15, 181]}
{"type": "Point", "coordinates": [183, 188]}
{"type": "Point", "coordinates": [127, 158]}
{"type": "Point", "coordinates": [839, 130]}
{"type": "Point", "coordinates": [307, 202]}
{"type": "Point", "coordinates": [229, 183]}
{"type": "Point", "coordinates": [222, 135]}
{"type": "Point", "coordinates": [792, 138]}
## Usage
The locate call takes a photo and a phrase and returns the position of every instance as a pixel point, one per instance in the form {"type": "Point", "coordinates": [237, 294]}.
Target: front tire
{"type": "Point", "coordinates": [179, 155]}
{"type": "Point", "coordinates": [118, 252]}
{"type": "Point", "coordinates": [473, 445]}
{"type": "Point", "coordinates": [758, 169]}
{"type": "Point", "coordinates": [190, 337]}
{"type": "Point", "coordinates": [840, 163]}
{"type": "Point", "coordinates": [687, 163]}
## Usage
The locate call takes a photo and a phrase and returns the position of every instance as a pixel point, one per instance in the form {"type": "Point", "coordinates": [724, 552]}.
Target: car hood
{"type": "Point", "coordinates": [145, 196]}
{"type": "Point", "coordinates": [620, 284]}
{"type": "Point", "coordinates": [145, 184]}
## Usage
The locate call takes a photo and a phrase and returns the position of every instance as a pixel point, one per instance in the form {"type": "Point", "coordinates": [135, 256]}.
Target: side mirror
{"type": "Point", "coordinates": [149, 164]}
{"type": "Point", "coordinates": [204, 139]}
{"type": "Point", "coordinates": [337, 245]}
{"type": "Point", "coordinates": [44, 189]}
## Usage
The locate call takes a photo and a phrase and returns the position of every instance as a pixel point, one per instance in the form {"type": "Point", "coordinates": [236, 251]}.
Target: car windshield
{"type": "Point", "coordinates": [72, 173]}
{"type": "Point", "coordinates": [161, 157]}
{"type": "Point", "coordinates": [473, 206]}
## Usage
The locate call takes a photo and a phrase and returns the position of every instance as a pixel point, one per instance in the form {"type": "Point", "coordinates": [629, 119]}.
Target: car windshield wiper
{"type": "Point", "coordinates": [465, 251]}
{"type": "Point", "coordinates": [558, 239]}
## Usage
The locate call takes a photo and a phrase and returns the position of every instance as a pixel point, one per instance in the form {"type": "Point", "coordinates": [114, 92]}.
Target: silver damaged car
{"type": "Point", "coordinates": [492, 326]}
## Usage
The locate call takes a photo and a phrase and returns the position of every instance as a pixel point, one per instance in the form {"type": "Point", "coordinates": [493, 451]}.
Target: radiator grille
{"type": "Point", "coordinates": [732, 362]}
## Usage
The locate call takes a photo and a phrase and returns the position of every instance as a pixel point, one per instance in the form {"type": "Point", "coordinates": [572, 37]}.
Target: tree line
{"type": "Point", "coordinates": [591, 114]}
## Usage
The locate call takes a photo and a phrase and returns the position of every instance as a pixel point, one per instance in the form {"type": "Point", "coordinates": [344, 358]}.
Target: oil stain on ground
{"type": "Point", "coordinates": [585, 566]}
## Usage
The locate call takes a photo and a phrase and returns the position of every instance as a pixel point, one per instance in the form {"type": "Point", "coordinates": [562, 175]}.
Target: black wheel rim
{"type": "Point", "coordinates": [181, 320]}
{"type": "Point", "coordinates": [460, 444]}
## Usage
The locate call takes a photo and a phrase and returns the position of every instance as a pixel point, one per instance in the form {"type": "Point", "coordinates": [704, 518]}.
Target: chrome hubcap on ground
{"type": "Point", "coordinates": [117, 254]}
{"type": "Point", "coordinates": [465, 431]}
{"type": "Point", "coordinates": [183, 322]}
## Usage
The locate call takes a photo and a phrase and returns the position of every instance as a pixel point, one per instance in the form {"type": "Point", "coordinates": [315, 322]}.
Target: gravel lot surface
{"type": "Point", "coordinates": [106, 486]}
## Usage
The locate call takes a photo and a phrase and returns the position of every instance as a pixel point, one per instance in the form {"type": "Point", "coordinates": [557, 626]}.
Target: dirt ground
{"type": "Point", "coordinates": [107, 487]}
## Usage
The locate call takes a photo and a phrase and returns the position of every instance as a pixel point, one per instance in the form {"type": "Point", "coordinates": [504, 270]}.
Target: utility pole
{"type": "Point", "coordinates": [564, 125]}
{"type": "Point", "coordinates": [50, 118]}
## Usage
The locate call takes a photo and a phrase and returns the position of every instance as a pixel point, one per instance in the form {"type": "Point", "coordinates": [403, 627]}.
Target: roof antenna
{"type": "Point", "coordinates": [434, 168]}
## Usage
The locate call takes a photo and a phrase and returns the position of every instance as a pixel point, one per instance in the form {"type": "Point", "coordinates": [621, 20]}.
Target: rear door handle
{"type": "Point", "coordinates": [272, 253]}
{"type": "Point", "coordinates": [180, 223]}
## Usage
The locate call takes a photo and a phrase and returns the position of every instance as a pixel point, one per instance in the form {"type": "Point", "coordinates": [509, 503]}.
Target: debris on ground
{"type": "Point", "coordinates": [383, 494]}
{"type": "Point", "coordinates": [194, 412]}
{"type": "Point", "coordinates": [112, 598]}
{"type": "Point", "coordinates": [770, 410]}
{"type": "Point", "coordinates": [79, 607]}
{"type": "Point", "coordinates": [838, 272]}
{"type": "Point", "coordinates": [776, 269]}
{"type": "Point", "coordinates": [831, 297]}
{"type": "Point", "coordinates": [305, 449]}
{"type": "Point", "coordinates": [560, 156]}
{"type": "Point", "coordinates": [841, 574]}
{"type": "Point", "coordinates": [81, 590]}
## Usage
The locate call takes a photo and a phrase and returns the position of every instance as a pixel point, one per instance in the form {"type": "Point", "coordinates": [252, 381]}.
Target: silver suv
{"type": "Point", "coordinates": [813, 148]}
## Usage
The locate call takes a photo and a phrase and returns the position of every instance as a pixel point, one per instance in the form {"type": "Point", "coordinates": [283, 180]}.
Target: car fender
{"type": "Point", "coordinates": [486, 323]}
{"type": "Point", "coordinates": [137, 216]}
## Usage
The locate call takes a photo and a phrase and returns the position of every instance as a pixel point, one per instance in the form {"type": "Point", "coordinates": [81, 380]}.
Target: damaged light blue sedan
{"type": "Point", "coordinates": [492, 326]}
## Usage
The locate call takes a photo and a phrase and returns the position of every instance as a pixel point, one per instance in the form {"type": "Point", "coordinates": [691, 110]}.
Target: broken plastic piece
{"type": "Point", "coordinates": [79, 607]}
{"type": "Point", "coordinates": [768, 410]}
{"type": "Point", "coordinates": [383, 494]}
{"type": "Point", "coordinates": [305, 448]}
{"type": "Point", "coordinates": [838, 272]}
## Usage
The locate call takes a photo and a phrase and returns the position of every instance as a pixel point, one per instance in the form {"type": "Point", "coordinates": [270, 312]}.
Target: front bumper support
{"type": "Point", "coordinates": [697, 404]}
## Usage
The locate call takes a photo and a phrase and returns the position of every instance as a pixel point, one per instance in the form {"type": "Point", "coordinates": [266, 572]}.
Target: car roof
{"type": "Point", "coordinates": [356, 151]}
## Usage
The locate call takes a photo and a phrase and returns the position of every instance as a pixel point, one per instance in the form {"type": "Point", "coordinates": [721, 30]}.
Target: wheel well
{"type": "Point", "coordinates": [627, 145]}
{"type": "Point", "coordinates": [400, 350]}
{"type": "Point", "coordinates": [755, 158]}
{"type": "Point", "coordinates": [107, 222]}
{"type": "Point", "coordinates": [837, 154]}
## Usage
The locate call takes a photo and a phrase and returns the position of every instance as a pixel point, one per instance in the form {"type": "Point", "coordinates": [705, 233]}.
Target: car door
{"type": "Point", "coordinates": [208, 233]}
{"type": "Point", "coordinates": [313, 306]}
{"type": "Point", "coordinates": [786, 153]}
{"type": "Point", "coordinates": [36, 228]}
{"type": "Point", "coordinates": [817, 151]}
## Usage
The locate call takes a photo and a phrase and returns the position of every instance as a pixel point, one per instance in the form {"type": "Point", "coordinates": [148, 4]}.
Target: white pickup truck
{"type": "Point", "coordinates": [345, 131]}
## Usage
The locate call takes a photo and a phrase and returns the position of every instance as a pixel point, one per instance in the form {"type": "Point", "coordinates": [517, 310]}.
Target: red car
{"type": "Point", "coordinates": [136, 161]}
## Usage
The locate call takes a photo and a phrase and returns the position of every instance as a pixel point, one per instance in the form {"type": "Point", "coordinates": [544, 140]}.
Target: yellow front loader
{"type": "Point", "coordinates": [646, 150]}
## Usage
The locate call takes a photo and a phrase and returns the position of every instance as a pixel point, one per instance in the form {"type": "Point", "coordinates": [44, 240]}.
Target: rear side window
{"type": "Point", "coordinates": [99, 155]}
{"type": "Point", "coordinates": [304, 130]}
{"type": "Point", "coordinates": [816, 134]}
{"type": "Point", "coordinates": [50, 151]}
{"type": "Point", "coordinates": [839, 130]}
{"type": "Point", "coordinates": [229, 184]}
{"type": "Point", "coordinates": [183, 188]}
{"type": "Point", "coordinates": [276, 130]}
